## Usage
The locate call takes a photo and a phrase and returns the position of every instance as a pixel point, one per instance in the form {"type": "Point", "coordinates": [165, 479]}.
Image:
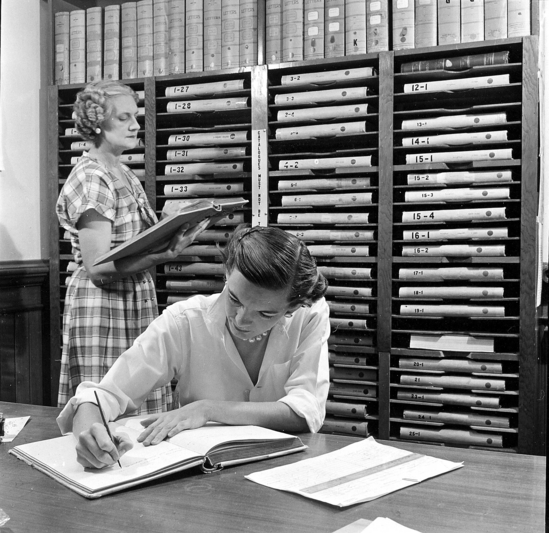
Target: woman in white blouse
{"type": "Point", "coordinates": [255, 354]}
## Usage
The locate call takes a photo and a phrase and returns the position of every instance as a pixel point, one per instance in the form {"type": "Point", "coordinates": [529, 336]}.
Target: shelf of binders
{"type": "Point", "coordinates": [457, 220]}
{"type": "Point", "coordinates": [323, 183]}
{"type": "Point", "coordinates": [203, 150]}
{"type": "Point", "coordinates": [456, 398]}
{"type": "Point", "coordinates": [415, 249]}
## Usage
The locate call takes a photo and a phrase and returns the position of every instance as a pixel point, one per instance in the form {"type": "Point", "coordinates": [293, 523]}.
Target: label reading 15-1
{"type": "Point", "coordinates": [423, 158]}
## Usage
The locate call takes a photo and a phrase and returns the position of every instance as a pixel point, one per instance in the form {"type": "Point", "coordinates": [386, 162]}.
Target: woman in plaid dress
{"type": "Point", "coordinates": [102, 204]}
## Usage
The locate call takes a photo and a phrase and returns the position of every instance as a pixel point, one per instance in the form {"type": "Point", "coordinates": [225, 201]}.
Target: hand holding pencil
{"type": "Point", "coordinates": [114, 440]}
{"type": "Point", "coordinates": [96, 446]}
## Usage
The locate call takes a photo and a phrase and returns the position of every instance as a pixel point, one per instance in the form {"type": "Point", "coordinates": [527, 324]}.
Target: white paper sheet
{"type": "Point", "coordinates": [379, 525]}
{"type": "Point", "coordinates": [360, 472]}
{"type": "Point", "coordinates": [386, 525]}
{"type": "Point", "coordinates": [12, 427]}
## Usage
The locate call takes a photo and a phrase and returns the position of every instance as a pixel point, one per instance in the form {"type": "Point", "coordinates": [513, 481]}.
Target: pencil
{"type": "Point", "coordinates": [105, 423]}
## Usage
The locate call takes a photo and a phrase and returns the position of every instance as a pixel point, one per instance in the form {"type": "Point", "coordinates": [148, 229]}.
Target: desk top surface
{"type": "Point", "coordinates": [494, 492]}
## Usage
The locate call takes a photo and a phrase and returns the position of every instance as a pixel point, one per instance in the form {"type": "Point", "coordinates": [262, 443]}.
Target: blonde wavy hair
{"type": "Point", "coordinates": [93, 106]}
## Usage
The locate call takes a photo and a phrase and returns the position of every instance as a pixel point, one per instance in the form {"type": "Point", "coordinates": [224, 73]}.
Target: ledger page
{"type": "Point", "coordinates": [360, 472]}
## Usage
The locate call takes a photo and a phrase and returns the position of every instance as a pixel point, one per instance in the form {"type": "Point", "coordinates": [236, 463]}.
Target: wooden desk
{"type": "Point", "coordinates": [493, 493]}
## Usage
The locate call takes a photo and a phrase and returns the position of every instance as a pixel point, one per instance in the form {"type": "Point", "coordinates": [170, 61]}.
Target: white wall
{"type": "Point", "coordinates": [543, 214]}
{"type": "Point", "coordinates": [23, 90]}
{"type": "Point", "coordinates": [23, 129]}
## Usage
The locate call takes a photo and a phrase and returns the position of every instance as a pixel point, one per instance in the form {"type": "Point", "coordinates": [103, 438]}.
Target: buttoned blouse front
{"type": "Point", "coordinates": [189, 342]}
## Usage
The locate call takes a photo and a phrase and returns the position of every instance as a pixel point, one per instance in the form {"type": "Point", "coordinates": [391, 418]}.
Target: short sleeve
{"type": "Point", "coordinates": [88, 187]}
{"type": "Point", "coordinates": [308, 383]}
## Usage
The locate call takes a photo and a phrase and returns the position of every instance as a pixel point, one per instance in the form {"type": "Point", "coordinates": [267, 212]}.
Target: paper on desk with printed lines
{"type": "Point", "coordinates": [360, 472]}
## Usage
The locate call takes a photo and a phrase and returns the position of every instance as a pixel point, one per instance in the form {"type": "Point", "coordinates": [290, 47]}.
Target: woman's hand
{"type": "Point", "coordinates": [184, 238]}
{"type": "Point", "coordinates": [95, 449]}
{"type": "Point", "coordinates": [158, 427]}
{"type": "Point", "coordinates": [94, 232]}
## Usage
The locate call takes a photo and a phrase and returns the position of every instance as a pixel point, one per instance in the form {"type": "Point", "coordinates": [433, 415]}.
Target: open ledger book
{"type": "Point", "coordinates": [211, 447]}
{"type": "Point", "coordinates": [156, 237]}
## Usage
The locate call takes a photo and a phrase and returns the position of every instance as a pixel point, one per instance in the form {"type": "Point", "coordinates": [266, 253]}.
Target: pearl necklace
{"type": "Point", "coordinates": [259, 337]}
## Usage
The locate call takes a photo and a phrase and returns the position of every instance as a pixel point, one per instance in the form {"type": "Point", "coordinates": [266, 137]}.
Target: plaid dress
{"type": "Point", "coordinates": [99, 324]}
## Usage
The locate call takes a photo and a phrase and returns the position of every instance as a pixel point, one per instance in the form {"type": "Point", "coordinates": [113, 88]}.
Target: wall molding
{"type": "Point", "coordinates": [17, 275]}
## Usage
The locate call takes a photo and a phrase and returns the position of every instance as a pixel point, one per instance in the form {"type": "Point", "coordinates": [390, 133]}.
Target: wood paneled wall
{"type": "Point", "coordinates": [24, 354]}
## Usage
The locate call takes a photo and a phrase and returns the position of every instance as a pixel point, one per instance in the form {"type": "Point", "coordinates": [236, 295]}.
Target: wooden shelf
{"type": "Point", "coordinates": [388, 332]}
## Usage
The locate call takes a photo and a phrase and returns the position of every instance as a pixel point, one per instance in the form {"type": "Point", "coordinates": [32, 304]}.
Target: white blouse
{"type": "Point", "coordinates": [189, 342]}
